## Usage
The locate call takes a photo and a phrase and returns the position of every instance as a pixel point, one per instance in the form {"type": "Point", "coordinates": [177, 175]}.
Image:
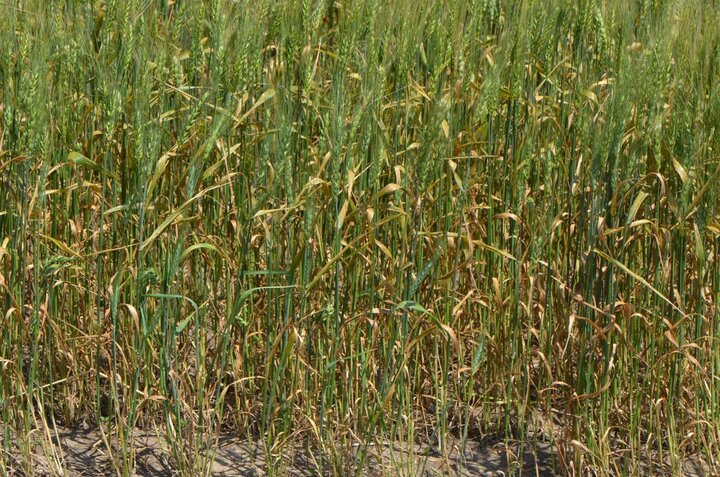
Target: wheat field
{"type": "Point", "coordinates": [327, 225]}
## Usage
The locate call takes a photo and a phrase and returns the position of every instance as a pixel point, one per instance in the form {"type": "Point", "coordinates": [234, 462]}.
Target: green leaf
{"type": "Point", "coordinates": [411, 305]}
{"type": "Point", "coordinates": [80, 160]}
{"type": "Point", "coordinates": [180, 326]}
{"type": "Point", "coordinates": [198, 246]}
{"type": "Point", "coordinates": [478, 356]}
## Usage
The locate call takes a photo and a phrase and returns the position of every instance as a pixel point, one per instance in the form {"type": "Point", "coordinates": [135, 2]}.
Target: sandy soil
{"type": "Point", "coordinates": [82, 452]}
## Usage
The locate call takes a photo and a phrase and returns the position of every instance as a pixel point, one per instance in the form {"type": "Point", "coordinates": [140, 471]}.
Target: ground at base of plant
{"type": "Point", "coordinates": [82, 451]}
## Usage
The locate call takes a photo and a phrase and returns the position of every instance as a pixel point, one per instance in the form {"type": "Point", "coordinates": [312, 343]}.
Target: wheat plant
{"type": "Point", "coordinates": [328, 224]}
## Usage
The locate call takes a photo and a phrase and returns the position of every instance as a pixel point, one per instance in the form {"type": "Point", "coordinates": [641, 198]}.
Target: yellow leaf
{"type": "Point", "coordinates": [446, 128]}
{"type": "Point", "coordinates": [680, 170]}
{"type": "Point", "coordinates": [62, 246]}
{"type": "Point", "coordinates": [384, 249]}
{"type": "Point", "coordinates": [134, 313]}
{"type": "Point", "coordinates": [636, 206]}
{"type": "Point", "coordinates": [389, 189]}
{"type": "Point", "coordinates": [341, 215]}
{"type": "Point", "coordinates": [263, 97]}
{"type": "Point", "coordinates": [450, 333]}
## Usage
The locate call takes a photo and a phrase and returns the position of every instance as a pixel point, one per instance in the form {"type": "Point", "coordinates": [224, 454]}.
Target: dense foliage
{"type": "Point", "coordinates": [337, 222]}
